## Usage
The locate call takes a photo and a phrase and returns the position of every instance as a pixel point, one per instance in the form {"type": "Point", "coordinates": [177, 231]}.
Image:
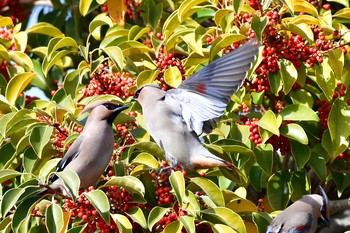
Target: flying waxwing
{"type": "Point", "coordinates": [302, 216]}
{"type": "Point", "coordinates": [175, 117]}
{"type": "Point", "coordinates": [91, 152]}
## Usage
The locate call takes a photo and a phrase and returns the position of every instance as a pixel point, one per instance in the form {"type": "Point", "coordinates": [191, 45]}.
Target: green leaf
{"type": "Point", "coordinates": [100, 202]}
{"type": "Point", "coordinates": [304, 6]}
{"type": "Point", "coordinates": [71, 181]}
{"type": "Point", "coordinates": [22, 214]}
{"type": "Point", "coordinates": [54, 218]}
{"type": "Point", "coordinates": [220, 15]}
{"type": "Point", "coordinates": [269, 122]}
{"type": "Point", "coordinates": [226, 216]}
{"type": "Point", "coordinates": [325, 79]}
{"type": "Point", "coordinates": [9, 199]}
{"type": "Point", "coordinates": [300, 185]}
{"type": "Point", "coordinates": [136, 32]}
{"type": "Point", "coordinates": [177, 181]}
{"type": "Point", "coordinates": [146, 77]}
{"type": "Point", "coordinates": [21, 39]}
{"type": "Point", "coordinates": [343, 13]}
{"type": "Point", "coordinates": [151, 148]}
{"type": "Point", "coordinates": [96, 24]}
{"type": "Point", "coordinates": [4, 53]}
{"type": "Point", "coordinates": [301, 29]}
{"type": "Point", "coordinates": [222, 42]}
{"type": "Point", "coordinates": [194, 43]}
{"type": "Point", "coordinates": [136, 214]}
{"type": "Point", "coordinates": [6, 174]}
{"type": "Point", "coordinates": [71, 82]}
{"type": "Point", "coordinates": [45, 29]}
{"type": "Point", "coordinates": [218, 228]}
{"type": "Point", "coordinates": [186, 8]}
{"type": "Point", "coordinates": [155, 14]}
{"type": "Point", "coordinates": [173, 77]}
{"type": "Point", "coordinates": [210, 189]}
{"type": "Point", "coordinates": [318, 161]}
{"type": "Point", "coordinates": [173, 227]}
{"type": "Point", "coordinates": [295, 132]}
{"type": "Point", "coordinates": [258, 25]}
{"type": "Point", "coordinates": [116, 55]}
{"type": "Point", "coordinates": [188, 223]}
{"type": "Point", "coordinates": [289, 4]}
{"type": "Point", "coordinates": [261, 220]}
{"type": "Point", "coordinates": [146, 159]}
{"type": "Point", "coordinates": [278, 190]}
{"type": "Point", "coordinates": [301, 153]}
{"type": "Point", "coordinates": [302, 97]}
{"type": "Point", "coordinates": [289, 74]}
{"type": "Point", "coordinates": [170, 24]}
{"type": "Point", "coordinates": [58, 43]}
{"type": "Point", "coordinates": [22, 59]}
{"type": "Point", "coordinates": [342, 180]}
{"type": "Point", "coordinates": [55, 60]}
{"type": "Point", "coordinates": [275, 81]}
{"type": "Point", "coordinates": [39, 138]}
{"type": "Point", "coordinates": [123, 223]}
{"type": "Point", "coordinates": [339, 133]}
{"type": "Point", "coordinates": [155, 215]}
{"type": "Point", "coordinates": [16, 86]}
{"type": "Point", "coordinates": [297, 112]}
{"type": "Point", "coordinates": [264, 157]}
{"type": "Point", "coordinates": [132, 48]}
{"type": "Point", "coordinates": [5, 21]}
{"type": "Point", "coordinates": [130, 183]}
{"type": "Point", "coordinates": [84, 6]}
{"type": "Point", "coordinates": [336, 61]}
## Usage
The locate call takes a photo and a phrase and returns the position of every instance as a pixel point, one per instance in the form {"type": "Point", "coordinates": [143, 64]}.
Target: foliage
{"type": "Point", "coordinates": [287, 128]}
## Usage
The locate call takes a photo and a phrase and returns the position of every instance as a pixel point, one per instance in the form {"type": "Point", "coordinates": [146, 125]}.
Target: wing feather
{"type": "Point", "coordinates": [202, 98]}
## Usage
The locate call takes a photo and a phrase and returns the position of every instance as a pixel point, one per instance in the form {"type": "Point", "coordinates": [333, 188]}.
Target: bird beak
{"type": "Point", "coordinates": [324, 212]}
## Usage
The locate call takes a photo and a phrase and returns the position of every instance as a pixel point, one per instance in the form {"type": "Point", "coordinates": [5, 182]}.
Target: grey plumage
{"type": "Point", "coordinates": [91, 152]}
{"type": "Point", "coordinates": [175, 118]}
{"type": "Point", "coordinates": [302, 215]}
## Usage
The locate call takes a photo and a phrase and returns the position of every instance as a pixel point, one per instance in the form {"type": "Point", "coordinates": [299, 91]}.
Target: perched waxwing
{"type": "Point", "coordinates": [302, 216]}
{"type": "Point", "coordinates": [176, 117]}
{"type": "Point", "coordinates": [91, 152]}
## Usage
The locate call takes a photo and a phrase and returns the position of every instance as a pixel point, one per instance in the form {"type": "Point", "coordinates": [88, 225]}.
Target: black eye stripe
{"type": "Point", "coordinates": [110, 106]}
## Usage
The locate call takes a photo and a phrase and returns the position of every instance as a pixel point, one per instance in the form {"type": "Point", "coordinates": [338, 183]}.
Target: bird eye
{"type": "Point", "coordinates": [110, 106]}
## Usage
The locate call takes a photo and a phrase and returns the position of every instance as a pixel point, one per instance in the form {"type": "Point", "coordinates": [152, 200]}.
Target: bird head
{"type": "Point", "coordinates": [324, 210]}
{"type": "Point", "coordinates": [152, 91]}
{"type": "Point", "coordinates": [104, 110]}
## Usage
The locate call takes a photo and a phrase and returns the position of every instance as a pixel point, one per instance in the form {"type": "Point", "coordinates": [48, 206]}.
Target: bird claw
{"type": "Point", "coordinates": [167, 169]}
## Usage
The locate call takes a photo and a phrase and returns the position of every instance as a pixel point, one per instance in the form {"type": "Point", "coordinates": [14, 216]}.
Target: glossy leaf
{"type": "Point", "coordinates": [264, 157]}
{"type": "Point", "coordinates": [136, 214]}
{"type": "Point", "coordinates": [295, 132]}
{"type": "Point", "coordinates": [9, 199]}
{"type": "Point", "coordinates": [343, 13]}
{"type": "Point", "coordinates": [54, 218]}
{"type": "Point", "coordinates": [225, 216]}
{"type": "Point", "coordinates": [278, 190]}
{"type": "Point", "coordinates": [210, 189]}
{"type": "Point", "coordinates": [301, 29]}
{"type": "Point", "coordinates": [6, 174]}
{"type": "Point", "coordinates": [16, 86]}
{"type": "Point", "coordinates": [325, 79]}
{"type": "Point", "coordinates": [39, 137]}
{"type": "Point", "coordinates": [289, 75]}
{"type": "Point", "coordinates": [177, 181]}
{"type": "Point", "coordinates": [258, 25]}
{"type": "Point", "coordinates": [339, 133]}
{"type": "Point", "coordinates": [173, 77]}
{"type": "Point", "coordinates": [100, 202]}
{"type": "Point", "coordinates": [71, 181]}
{"type": "Point", "coordinates": [269, 122]}
{"type": "Point", "coordinates": [155, 215]}
{"type": "Point", "coordinates": [84, 6]}
{"type": "Point", "coordinates": [174, 227]}
{"type": "Point", "coordinates": [123, 223]}
{"type": "Point", "coordinates": [45, 29]}
{"type": "Point", "coordinates": [301, 153]}
{"type": "Point", "coordinates": [296, 112]}
{"type": "Point", "coordinates": [116, 54]}
{"type": "Point", "coordinates": [130, 183]}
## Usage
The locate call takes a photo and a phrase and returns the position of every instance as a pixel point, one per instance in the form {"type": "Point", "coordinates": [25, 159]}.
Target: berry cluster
{"type": "Point", "coordinates": [131, 7]}
{"type": "Point", "coordinates": [84, 210]}
{"type": "Point", "coordinates": [261, 207]}
{"type": "Point", "coordinates": [163, 187]}
{"type": "Point", "coordinates": [323, 110]}
{"type": "Point", "coordinates": [280, 143]}
{"type": "Point", "coordinates": [164, 62]}
{"type": "Point", "coordinates": [103, 81]}
{"type": "Point", "coordinates": [15, 9]}
{"type": "Point", "coordinates": [254, 135]}
{"type": "Point", "coordinates": [123, 133]}
{"type": "Point", "coordinates": [30, 99]}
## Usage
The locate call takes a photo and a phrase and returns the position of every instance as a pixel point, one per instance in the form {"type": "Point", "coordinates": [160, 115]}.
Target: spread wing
{"type": "Point", "coordinates": [202, 98]}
